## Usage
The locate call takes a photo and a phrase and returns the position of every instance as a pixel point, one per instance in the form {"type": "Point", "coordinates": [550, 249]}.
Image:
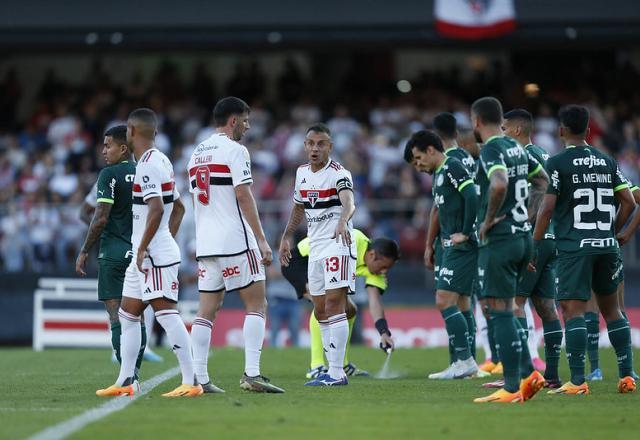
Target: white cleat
{"type": "Point", "coordinates": [466, 368]}
{"type": "Point", "coordinates": [447, 373]}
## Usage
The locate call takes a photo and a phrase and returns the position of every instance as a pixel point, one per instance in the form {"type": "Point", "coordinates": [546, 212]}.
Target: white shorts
{"type": "Point", "coordinates": [331, 273]}
{"type": "Point", "coordinates": [154, 282]}
{"type": "Point", "coordinates": [230, 273]}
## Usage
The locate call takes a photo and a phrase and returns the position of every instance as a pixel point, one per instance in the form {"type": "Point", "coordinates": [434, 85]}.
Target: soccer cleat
{"type": "Point", "coordinates": [552, 384]}
{"type": "Point", "coordinates": [480, 374]}
{"type": "Point", "coordinates": [487, 366]}
{"type": "Point", "coordinates": [627, 385]}
{"type": "Point", "coordinates": [465, 368]}
{"type": "Point", "coordinates": [498, 369]}
{"type": "Point", "coordinates": [351, 370]}
{"type": "Point", "coordinates": [635, 376]}
{"type": "Point", "coordinates": [447, 373]}
{"type": "Point", "coordinates": [324, 380]}
{"type": "Point", "coordinates": [495, 384]}
{"type": "Point", "coordinates": [594, 375]}
{"type": "Point", "coordinates": [570, 388]}
{"type": "Point", "coordinates": [151, 356]}
{"type": "Point", "coordinates": [530, 385]}
{"type": "Point", "coordinates": [539, 364]}
{"type": "Point", "coordinates": [258, 384]}
{"type": "Point", "coordinates": [501, 396]}
{"type": "Point", "coordinates": [115, 390]}
{"type": "Point", "coordinates": [185, 390]}
{"type": "Point", "coordinates": [210, 388]}
{"type": "Point", "coordinates": [317, 371]}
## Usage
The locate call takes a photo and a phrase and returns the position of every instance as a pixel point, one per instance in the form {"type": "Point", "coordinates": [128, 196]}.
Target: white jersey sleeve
{"type": "Point", "coordinates": [92, 197]}
{"type": "Point", "coordinates": [296, 189]}
{"type": "Point", "coordinates": [240, 165]}
{"type": "Point", "coordinates": [343, 180]}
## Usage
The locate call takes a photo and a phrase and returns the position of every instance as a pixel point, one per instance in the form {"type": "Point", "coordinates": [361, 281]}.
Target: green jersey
{"type": "Point", "coordinates": [585, 181]}
{"type": "Point", "coordinates": [541, 156]}
{"type": "Point", "coordinates": [114, 186]}
{"type": "Point", "coordinates": [449, 180]}
{"type": "Point", "coordinates": [503, 153]}
{"type": "Point", "coordinates": [463, 156]}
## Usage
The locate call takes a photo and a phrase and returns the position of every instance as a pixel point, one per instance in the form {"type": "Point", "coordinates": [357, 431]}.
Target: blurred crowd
{"type": "Point", "coordinates": [49, 160]}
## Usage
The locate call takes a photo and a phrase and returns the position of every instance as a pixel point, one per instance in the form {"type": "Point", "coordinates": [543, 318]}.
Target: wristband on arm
{"type": "Point", "coordinates": [382, 327]}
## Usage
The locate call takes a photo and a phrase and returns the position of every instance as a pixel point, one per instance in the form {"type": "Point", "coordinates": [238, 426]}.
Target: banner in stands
{"type": "Point", "coordinates": [474, 19]}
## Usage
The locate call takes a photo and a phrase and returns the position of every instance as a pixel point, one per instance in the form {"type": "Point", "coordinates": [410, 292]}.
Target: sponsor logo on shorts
{"type": "Point", "coordinates": [599, 242]}
{"type": "Point", "coordinates": [230, 272]}
{"type": "Point", "coordinates": [333, 280]}
{"type": "Point", "coordinates": [201, 272]}
{"type": "Point", "coordinates": [174, 286]}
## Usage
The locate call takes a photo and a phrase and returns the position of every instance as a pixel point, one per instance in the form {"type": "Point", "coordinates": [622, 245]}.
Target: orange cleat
{"type": "Point", "coordinates": [531, 385]}
{"type": "Point", "coordinates": [487, 366]}
{"type": "Point", "coordinates": [114, 390]}
{"type": "Point", "coordinates": [627, 385]}
{"type": "Point", "coordinates": [498, 369]}
{"type": "Point", "coordinates": [570, 388]}
{"type": "Point", "coordinates": [501, 396]}
{"type": "Point", "coordinates": [185, 391]}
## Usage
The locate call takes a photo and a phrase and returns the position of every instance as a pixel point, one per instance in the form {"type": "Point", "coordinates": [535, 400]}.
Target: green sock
{"type": "Point", "coordinates": [143, 345]}
{"type": "Point", "coordinates": [576, 339]}
{"type": "Point", "coordinates": [456, 327]}
{"type": "Point", "coordinates": [452, 349]}
{"type": "Point", "coordinates": [524, 325]}
{"type": "Point", "coordinates": [620, 337]}
{"type": "Point", "coordinates": [508, 344]}
{"type": "Point", "coordinates": [552, 343]}
{"type": "Point", "coordinates": [116, 331]}
{"type": "Point", "coordinates": [526, 364]}
{"type": "Point", "coordinates": [317, 351]}
{"type": "Point", "coordinates": [471, 325]}
{"type": "Point", "coordinates": [491, 336]}
{"type": "Point", "coordinates": [351, 321]}
{"type": "Point", "coordinates": [593, 338]}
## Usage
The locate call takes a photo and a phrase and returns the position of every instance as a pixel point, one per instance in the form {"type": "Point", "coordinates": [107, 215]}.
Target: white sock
{"type": "Point", "coordinates": [178, 337]}
{"type": "Point", "coordinates": [130, 341]}
{"type": "Point", "coordinates": [149, 319]}
{"type": "Point", "coordinates": [482, 339]}
{"type": "Point", "coordinates": [532, 342]}
{"type": "Point", "coordinates": [339, 331]}
{"type": "Point", "coordinates": [200, 343]}
{"type": "Point", "coordinates": [325, 333]}
{"type": "Point", "coordinates": [253, 332]}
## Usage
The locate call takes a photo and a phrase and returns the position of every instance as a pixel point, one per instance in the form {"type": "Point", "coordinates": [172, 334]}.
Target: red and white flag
{"type": "Point", "coordinates": [474, 19]}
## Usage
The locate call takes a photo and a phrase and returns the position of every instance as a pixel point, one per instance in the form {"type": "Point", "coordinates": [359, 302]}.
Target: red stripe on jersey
{"type": "Point", "coordinates": [322, 193]}
{"type": "Point", "coordinates": [137, 188]}
{"type": "Point", "coordinates": [213, 167]}
{"type": "Point", "coordinates": [146, 158]}
{"type": "Point", "coordinates": [167, 186]}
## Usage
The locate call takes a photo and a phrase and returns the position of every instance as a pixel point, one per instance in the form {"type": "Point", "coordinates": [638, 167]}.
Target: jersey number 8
{"type": "Point", "coordinates": [519, 212]}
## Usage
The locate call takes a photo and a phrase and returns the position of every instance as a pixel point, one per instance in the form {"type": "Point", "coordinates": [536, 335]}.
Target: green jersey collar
{"type": "Point", "coordinates": [446, 158]}
{"type": "Point", "coordinates": [492, 138]}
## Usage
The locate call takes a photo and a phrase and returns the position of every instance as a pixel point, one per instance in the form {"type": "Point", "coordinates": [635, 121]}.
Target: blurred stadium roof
{"type": "Point", "coordinates": [163, 24]}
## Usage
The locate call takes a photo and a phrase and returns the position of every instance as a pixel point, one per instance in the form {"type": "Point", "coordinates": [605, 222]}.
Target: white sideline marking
{"type": "Point", "coordinates": [74, 424]}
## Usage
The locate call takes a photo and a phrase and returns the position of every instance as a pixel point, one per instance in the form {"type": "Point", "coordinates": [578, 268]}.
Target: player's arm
{"type": "Point", "coordinates": [464, 183]}
{"type": "Point", "coordinates": [348, 208]}
{"type": "Point", "coordinates": [297, 214]}
{"type": "Point", "coordinates": [625, 236]}
{"type": "Point", "coordinates": [175, 219]}
{"type": "Point", "coordinates": [539, 181]}
{"type": "Point", "coordinates": [250, 212]}
{"type": "Point", "coordinates": [86, 213]}
{"type": "Point", "coordinates": [376, 308]}
{"type": "Point", "coordinates": [627, 205]}
{"type": "Point", "coordinates": [96, 226]}
{"type": "Point", "coordinates": [432, 233]}
{"type": "Point", "coordinates": [543, 218]}
{"type": "Point", "coordinates": [499, 183]}
{"type": "Point", "coordinates": [154, 217]}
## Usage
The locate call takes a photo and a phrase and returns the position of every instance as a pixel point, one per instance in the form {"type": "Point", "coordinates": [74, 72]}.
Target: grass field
{"type": "Point", "coordinates": [42, 389]}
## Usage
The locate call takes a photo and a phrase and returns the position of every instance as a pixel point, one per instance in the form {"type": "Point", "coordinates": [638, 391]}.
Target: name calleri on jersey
{"type": "Point", "coordinates": [319, 194]}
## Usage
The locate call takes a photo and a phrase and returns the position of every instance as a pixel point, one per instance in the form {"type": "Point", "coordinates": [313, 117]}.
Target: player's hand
{"type": "Point", "coordinates": [265, 250]}
{"type": "Point", "coordinates": [141, 255]}
{"type": "Point", "coordinates": [285, 252]}
{"type": "Point", "coordinates": [458, 238]}
{"type": "Point", "coordinates": [342, 233]}
{"type": "Point", "coordinates": [486, 227]}
{"type": "Point", "coordinates": [531, 267]}
{"type": "Point", "coordinates": [428, 258]}
{"type": "Point", "coordinates": [80, 262]}
{"type": "Point", "coordinates": [623, 238]}
{"type": "Point", "coordinates": [386, 343]}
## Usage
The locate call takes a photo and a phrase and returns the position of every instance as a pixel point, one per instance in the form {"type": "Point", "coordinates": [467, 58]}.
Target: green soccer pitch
{"type": "Point", "coordinates": [42, 390]}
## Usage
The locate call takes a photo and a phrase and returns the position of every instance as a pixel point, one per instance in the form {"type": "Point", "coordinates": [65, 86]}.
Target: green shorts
{"type": "Point", "coordinates": [110, 279]}
{"type": "Point", "coordinates": [501, 265]}
{"type": "Point", "coordinates": [620, 274]}
{"type": "Point", "coordinates": [457, 269]}
{"type": "Point", "coordinates": [580, 273]}
{"type": "Point", "coordinates": [437, 258]}
{"type": "Point", "coordinates": [542, 282]}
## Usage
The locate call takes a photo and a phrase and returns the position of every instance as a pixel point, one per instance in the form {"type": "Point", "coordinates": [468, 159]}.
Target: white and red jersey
{"type": "Point", "coordinates": [216, 167]}
{"type": "Point", "coordinates": [154, 178]}
{"type": "Point", "coordinates": [318, 192]}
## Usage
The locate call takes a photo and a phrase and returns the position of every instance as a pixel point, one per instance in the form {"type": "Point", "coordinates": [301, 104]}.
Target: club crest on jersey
{"type": "Point", "coordinates": [440, 180]}
{"type": "Point", "coordinates": [313, 197]}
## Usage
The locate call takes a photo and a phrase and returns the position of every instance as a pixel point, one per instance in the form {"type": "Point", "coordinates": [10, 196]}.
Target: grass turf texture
{"type": "Point", "coordinates": [41, 389]}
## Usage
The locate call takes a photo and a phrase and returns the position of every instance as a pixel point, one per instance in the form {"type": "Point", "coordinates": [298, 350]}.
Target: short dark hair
{"type": "Point", "coordinates": [408, 153]}
{"type": "Point", "coordinates": [522, 115]}
{"type": "Point", "coordinates": [575, 118]}
{"type": "Point", "coordinates": [147, 117]}
{"type": "Point", "coordinates": [445, 125]}
{"type": "Point", "coordinates": [319, 127]}
{"type": "Point", "coordinates": [423, 139]}
{"type": "Point", "coordinates": [488, 110]}
{"type": "Point", "coordinates": [227, 107]}
{"type": "Point", "coordinates": [385, 247]}
{"type": "Point", "coordinates": [118, 133]}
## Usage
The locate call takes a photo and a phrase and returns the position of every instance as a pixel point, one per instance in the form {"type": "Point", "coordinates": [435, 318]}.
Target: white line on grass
{"type": "Point", "coordinates": [68, 427]}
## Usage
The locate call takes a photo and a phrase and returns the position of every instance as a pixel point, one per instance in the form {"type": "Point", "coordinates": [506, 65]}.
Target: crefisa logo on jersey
{"type": "Point", "coordinates": [313, 197]}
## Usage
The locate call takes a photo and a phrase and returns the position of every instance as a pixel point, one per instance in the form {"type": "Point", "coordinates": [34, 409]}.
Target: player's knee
{"type": "Point", "coordinates": [445, 300]}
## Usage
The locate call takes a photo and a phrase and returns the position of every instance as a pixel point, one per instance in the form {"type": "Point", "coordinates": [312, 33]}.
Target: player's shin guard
{"type": "Point", "coordinates": [253, 332]}
{"type": "Point", "coordinates": [200, 343]}
{"type": "Point", "coordinates": [593, 338]}
{"type": "Point", "coordinates": [576, 340]}
{"type": "Point", "coordinates": [130, 341]}
{"type": "Point", "coordinates": [180, 342]}
{"type": "Point", "coordinates": [317, 346]}
{"type": "Point", "coordinates": [526, 364]}
{"type": "Point", "coordinates": [458, 332]}
{"type": "Point", "coordinates": [552, 344]}
{"type": "Point", "coordinates": [620, 337]}
{"type": "Point", "coordinates": [509, 346]}
{"type": "Point", "coordinates": [116, 331]}
{"type": "Point", "coordinates": [351, 322]}
{"type": "Point", "coordinates": [491, 336]}
{"type": "Point", "coordinates": [143, 346]}
{"type": "Point", "coordinates": [339, 333]}
{"type": "Point", "coordinates": [471, 326]}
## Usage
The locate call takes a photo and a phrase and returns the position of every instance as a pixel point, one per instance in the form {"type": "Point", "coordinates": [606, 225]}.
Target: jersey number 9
{"type": "Point", "coordinates": [203, 185]}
